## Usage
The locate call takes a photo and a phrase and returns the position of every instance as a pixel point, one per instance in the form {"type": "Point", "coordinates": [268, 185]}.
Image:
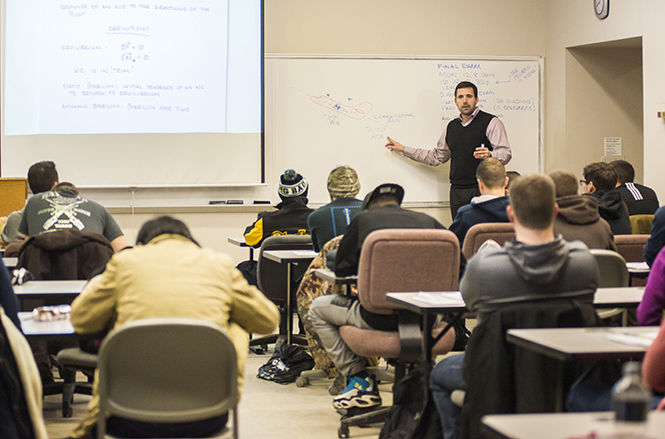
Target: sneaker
{"type": "Point", "coordinates": [359, 392]}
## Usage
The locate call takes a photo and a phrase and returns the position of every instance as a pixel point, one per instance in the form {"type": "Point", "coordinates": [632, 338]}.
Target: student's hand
{"type": "Point", "coordinates": [394, 145]}
{"type": "Point", "coordinates": [482, 153]}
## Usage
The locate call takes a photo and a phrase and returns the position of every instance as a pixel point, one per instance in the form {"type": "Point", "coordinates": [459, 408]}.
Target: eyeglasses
{"type": "Point", "coordinates": [583, 182]}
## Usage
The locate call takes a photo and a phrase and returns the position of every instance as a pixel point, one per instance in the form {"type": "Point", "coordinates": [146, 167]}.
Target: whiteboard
{"type": "Point", "coordinates": [328, 111]}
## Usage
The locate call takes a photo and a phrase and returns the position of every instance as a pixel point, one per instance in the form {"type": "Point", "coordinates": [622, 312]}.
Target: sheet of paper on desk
{"type": "Point", "coordinates": [637, 266]}
{"type": "Point", "coordinates": [643, 339]}
{"type": "Point", "coordinates": [304, 252]}
{"type": "Point", "coordinates": [440, 298]}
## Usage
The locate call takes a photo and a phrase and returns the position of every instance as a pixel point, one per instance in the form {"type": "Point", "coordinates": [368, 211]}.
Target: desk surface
{"type": "Point", "coordinates": [237, 240]}
{"type": "Point", "coordinates": [54, 328]}
{"type": "Point", "coordinates": [618, 297]}
{"type": "Point", "coordinates": [10, 263]}
{"type": "Point", "coordinates": [593, 343]}
{"type": "Point", "coordinates": [433, 302]}
{"type": "Point", "coordinates": [638, 267]}
{"type": "Point", "coordinates": [290, 255]}
{"type": "Point", "coordinates": [443, 301]}
{"type": "Point", "coordinates": [50, 287]}
{"type": "Point", "coordinates": [329, 275]}
{"type": "Point", "coordinates": [572, 425]}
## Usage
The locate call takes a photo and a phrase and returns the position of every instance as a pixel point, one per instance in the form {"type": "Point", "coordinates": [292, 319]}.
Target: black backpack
{"type": "Point", "coordinates": [413, 414]}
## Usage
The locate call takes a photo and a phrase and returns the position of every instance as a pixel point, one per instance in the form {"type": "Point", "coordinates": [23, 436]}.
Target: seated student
{"type": "Point", "coordinates": [490, 205]}
{"type": "Point", "coordinates": [290, 218]}
{"type": "Point", "coordinates": [513, 176]}
{"type": "Point", "coordinates": [8, 300]}
{"type": "Point", "coordinates": [657, 239]}
{"type": "Point", "coordinates": [536, 262]}
{"type": "Point", "coordinates": [20, 388]}
{"type": "Point", "coordinates": [327, 313]}
{"type": "Point", "coordinates": [63, 208]}
{"type": "Point", "coordinates": [578, 218]}
{"type": "Point", "coordinates": [600, 180]}
{"type": "Point", "coordinates": [639, 199]}
{"type": "Point", "coordinates": [42, 177]}
{"type": "Point", "coordinates": [650, 310]}
{"type": "Point", "coordinates": [331, 220]}
{"type": "Point", "coordinates": [168, 275]}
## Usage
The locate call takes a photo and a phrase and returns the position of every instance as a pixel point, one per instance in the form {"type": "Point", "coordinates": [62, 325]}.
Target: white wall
{"type": "Point", "coordinates": [572, 23]}
{"type": "Point", "coordinates": [454, 27]}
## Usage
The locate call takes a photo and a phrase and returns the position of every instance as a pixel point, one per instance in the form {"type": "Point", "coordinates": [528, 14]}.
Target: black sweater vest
{"type": "Point", "coordinates": [462, 141]}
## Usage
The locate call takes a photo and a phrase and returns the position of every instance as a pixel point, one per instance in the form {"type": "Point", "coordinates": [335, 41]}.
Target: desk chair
{"type": "Point", "coordinates": [271, 279]}
{"type": "Point", "coordinates": [641, 224]}
{"type": "Point", "coordinates": [399, 260]}
{"type": "Point", "coordinates": [479, 233]}
{"type": "Point", "coordinates": [167, 370]}
{"type": "Point", "coordinates": [71, 360]}
{"type": "Point", "coordinates": [64, 255]}
{"type": "Point", "coordinates": [613, 273]}
{"type": "Point", "coordinates": [631, 247]}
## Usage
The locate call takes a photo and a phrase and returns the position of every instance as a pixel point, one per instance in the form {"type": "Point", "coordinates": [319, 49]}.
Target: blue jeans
{"type": "Point", "coordinates": [446, 377]}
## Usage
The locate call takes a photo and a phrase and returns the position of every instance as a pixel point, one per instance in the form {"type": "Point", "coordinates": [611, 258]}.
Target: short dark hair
{"type": "Point", "coordinates": [42, 176]}
{"type": "Point", "coordinates": [565, 183]}
{"type": "Point", "coordinates": [625, 171]}
{"type": "Point", "coordinates": [512, 177]}
{"type": "Point", "coordinates": [163, 225]}
{"type": "Point", "coordinates": [492, 173]}
{"type": "Point", "coordinates": [467, 84]}
{"type": "Point", "coordinates": [532, 198]}
{"type": "Point", "coordinates": [602, 175]}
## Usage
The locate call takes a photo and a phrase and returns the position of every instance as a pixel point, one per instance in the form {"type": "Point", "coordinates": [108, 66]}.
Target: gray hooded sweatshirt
{"type": "Point", "coordinates": [518, 272]}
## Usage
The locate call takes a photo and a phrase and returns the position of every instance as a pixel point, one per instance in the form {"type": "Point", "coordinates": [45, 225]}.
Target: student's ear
{"type": "Point", "coordinates": [592, 188]}
{"type": "Point", "coordinates": [505, 183]}
{"type": "Point", "coordinates": [510, 213]}
{"type": "Point", "coordinates": [481, 185]}
{"type": "Point", "coordinates": [556, 209]}
{"type": "Point", "coordinates": [55, 183]}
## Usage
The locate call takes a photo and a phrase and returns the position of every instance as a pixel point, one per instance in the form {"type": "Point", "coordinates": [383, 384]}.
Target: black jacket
{"type": "Point", "coordinates": [613, 210]}
{"type": "Point", "coordinates": [65, 255]}
{"type": "Point", "coordinates": [502, 378]}
{"type": "Point", "coordinates": [290, 218]}
{"type": "Point", "coordinates": [348, 253]}
{"type": "Point", "coordinates": [639, 199]}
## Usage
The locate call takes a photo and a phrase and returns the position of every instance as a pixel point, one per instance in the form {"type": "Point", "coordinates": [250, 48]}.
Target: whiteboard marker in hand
{"type": "Point", "coordinates": [394, 145]}
{"type": "Point", "coordinates": [481, 152]}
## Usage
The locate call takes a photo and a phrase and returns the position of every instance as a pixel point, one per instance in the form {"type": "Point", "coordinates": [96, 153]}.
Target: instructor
{"type": "Point", "coordinates": [467, 139]}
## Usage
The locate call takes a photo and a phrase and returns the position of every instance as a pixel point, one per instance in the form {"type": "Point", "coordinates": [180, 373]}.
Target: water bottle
{"type": "Point", "coordinates": [631, 399]}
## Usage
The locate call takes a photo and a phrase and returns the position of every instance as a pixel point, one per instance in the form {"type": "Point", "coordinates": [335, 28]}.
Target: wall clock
{"type": "Point", "coordinates": [602, 8]}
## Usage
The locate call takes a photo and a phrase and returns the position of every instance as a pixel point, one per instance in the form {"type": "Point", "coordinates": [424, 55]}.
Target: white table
{"type": "Point", "coordinates": [53, 328]}
{"type": "Point", "coordinates": [10, 263]}
{"type": "Point", "coordinates": [50, 288]}
{"type": "Point", "coordinates": [570, 425]}
{"type": "Point", "coordinates": [566, 344]}
{"type": "Point", "coordinates": [290, 258]}
{"type": "Point", "coordinates": [330, 276]}
{"type": "Point", "coordinates": [240, 242]}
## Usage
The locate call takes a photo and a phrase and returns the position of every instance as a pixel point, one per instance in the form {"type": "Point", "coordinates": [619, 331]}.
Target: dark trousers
{"type": "Point", "coordinates": [460, 197]}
